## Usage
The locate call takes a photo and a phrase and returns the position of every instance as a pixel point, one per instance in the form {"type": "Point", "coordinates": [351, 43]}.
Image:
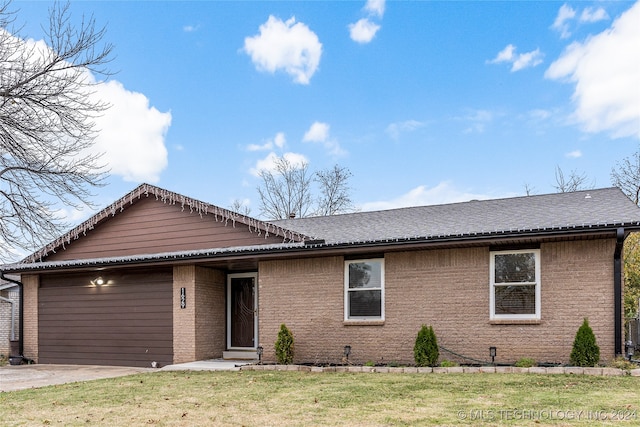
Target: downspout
{"type": "Point", "coordinates": [21, 315]}
{"type": "Point", "coordinates": [617, 291]}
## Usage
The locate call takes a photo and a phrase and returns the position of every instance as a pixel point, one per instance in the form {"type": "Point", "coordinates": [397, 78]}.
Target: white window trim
{"type": "Point", "coordinates": [492, 285]}
{"type": "Point", "coordinates": [347, 316]}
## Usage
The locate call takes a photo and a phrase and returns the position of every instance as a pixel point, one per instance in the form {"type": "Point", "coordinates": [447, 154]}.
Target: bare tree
{"type": "Point", "coordinates": [626, 176]}
{"type": "Point", "coordinates": [575, 181]}
{"type": "Point", "coordinates": [334, 191]}
{"type": "Point", "coordinates": [241, 207]}
{"type": "Point", "coordinates": [47, 112]}
{"type": "Point", "coordinates": [286, 191]}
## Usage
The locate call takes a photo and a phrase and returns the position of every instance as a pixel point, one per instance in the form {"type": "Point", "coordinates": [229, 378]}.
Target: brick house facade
{"type": "Point", "coordinates": [516, 274]}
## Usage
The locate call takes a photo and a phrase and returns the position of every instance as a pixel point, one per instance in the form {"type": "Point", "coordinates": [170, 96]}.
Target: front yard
{"type": "Point", "coordinates": [266, 398]}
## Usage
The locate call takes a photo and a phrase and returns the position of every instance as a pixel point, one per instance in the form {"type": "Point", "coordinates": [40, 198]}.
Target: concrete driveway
{"type": "Point", "coordinates": [21, 377]}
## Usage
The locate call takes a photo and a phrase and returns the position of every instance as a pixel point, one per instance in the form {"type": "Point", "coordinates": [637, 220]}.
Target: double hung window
{"type": "Point", "coordinates": [515, 284]}
{"type": "Point", "coordinates": [364, 289]}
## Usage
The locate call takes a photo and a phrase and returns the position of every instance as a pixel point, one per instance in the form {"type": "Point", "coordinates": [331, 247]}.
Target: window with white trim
{"type": "Point", "coordinates": [515, 285]}
{"type": "Point", "coordinates": [364, 289]}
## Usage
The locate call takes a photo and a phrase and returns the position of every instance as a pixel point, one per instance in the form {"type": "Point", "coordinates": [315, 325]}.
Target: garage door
{"type": "Point", "coordinates": [126, 321]}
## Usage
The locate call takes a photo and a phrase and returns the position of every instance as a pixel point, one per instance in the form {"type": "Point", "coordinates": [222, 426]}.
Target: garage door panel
{"type": "Point", "coordinates": [129, 323]}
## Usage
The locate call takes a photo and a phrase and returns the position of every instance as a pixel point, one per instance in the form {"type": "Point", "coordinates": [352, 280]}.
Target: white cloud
{"type": "Point", "coordinates": [394, 130]}
{"type": "Point", "coordinates": [319, 133]}
{"type": "Point", "coordinates": [287, 46]}
{"type": "Point", "coordinates": [574, 154]}
{"type": "Point", "coordinates": [375, 7]}
{"type": "Point", "coordinates": [277, 141]}
{"type": "Point", "coordinates": [444, 192]}
{"type": "Point", "coordinates": [269, 162]}
{"type": "Point", "coordinates": [363, 31]}
{"type": "Point", "coordinates": [190, 28]}
{"type": "Point", "coordinates": [565, 13]}
{"type": "Point", "coordinates": [539, 114]}
{"type": "Point", "coordinates": [591, 15]}
{"type": "Point", "coordinates": [518, 61]}
{"type": "Point", "coordinates": [478, 120]}
{"type": "Point", "coordinates": [131, 134]}
{"type": "Point", "coordinates": [605, 70]}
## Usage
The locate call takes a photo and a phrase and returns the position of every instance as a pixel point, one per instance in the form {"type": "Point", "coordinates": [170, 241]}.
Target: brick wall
{"type": "Point", "coordinates": [199, 328]}
{"type": "Point", "coordinates": [30, 318]}
{"type": "Point", "coordinates": [210, 313]}
{"type": "Point", "coordinates": [446, 288]}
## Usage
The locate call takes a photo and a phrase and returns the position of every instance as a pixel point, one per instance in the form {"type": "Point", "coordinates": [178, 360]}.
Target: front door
{"type": "Point", "coordinates": [242, 313]}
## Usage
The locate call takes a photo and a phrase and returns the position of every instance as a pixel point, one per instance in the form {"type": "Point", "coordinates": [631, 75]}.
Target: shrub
{"type": "Point", "coordinates": [425, 351]}
{"type": "Point", "coordinates": [369, 363]}
{"type": "Point", "coordinates": [284, 346]}
{"type": "Point", "coordinates": [622, 363]}
{"type": "Point", "coordinates": [448, 364]}
{"type": "Point", "coordinates": [525, 362]}
{"type": "Point", "coordinates": [585, 351]}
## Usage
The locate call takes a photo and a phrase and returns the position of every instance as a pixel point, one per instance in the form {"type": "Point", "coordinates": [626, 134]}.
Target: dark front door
{"type": "Point", "coordinates": [242, 311]}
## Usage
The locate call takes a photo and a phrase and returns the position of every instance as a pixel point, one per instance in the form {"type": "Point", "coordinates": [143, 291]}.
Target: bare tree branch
{"type": "Point", "coordinates": [334, 191]}
{"type": "Point", "coordinates": [575, 181]}
{"type": "Point", "coordinates": [47, 114]}
{"type": "Point", "coordinates": [626, 176]}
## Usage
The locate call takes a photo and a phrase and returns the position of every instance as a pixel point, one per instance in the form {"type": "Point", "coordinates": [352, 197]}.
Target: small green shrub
{"type": "Point", "coordinates": [622, 363]}
{"type": "Point", "coordinates": [525, 362]}
{"type": "Point", "coordinates": [585, 351]}
{"type": "Point", "coordinates": [369, 363]}
{"type": "Point", "coordinates": [425, 351]}
{"type": "Point", "coordinates": [448, 364]}
{"type": "Point", "coordinates": [284, 346]}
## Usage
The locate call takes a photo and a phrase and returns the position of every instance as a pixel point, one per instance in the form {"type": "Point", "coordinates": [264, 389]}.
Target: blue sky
{"type": "Point", "coordinates": [425, 102]}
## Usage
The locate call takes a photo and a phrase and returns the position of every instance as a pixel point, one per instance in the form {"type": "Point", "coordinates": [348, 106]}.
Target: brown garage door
{"type": "Point", "coordinates": [128, 321]}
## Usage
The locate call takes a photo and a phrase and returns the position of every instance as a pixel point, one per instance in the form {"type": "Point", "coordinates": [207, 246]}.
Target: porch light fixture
{"type": "Point", "coordinates": [492, 353]}
{"type": "Point", "coordinates": [98, 281]}
{"type": "Point", "coordinates": [347, 352]}
{"type": "Point", "coordinates": [259, 350]}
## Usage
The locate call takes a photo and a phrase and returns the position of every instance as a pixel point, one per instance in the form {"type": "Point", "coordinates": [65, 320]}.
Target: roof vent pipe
{"type": "Point", "coordinates": [292, 215]}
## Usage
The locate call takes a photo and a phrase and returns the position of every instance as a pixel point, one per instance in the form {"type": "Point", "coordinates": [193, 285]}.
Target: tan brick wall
{"type": "Point", "coordinates": [199, 328]}
{"type": "Point", "coordinates": [184, 331]}
{"type": "Point", "coordinates": [30, 287]}
{"type": "Point", "coordinates": [446, 288]}
{"type": "Point", "coordinates": [210, 321]}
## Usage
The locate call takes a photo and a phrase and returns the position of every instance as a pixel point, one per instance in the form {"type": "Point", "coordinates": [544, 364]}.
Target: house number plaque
{"type": "Point", "coordinates": [183, 298]}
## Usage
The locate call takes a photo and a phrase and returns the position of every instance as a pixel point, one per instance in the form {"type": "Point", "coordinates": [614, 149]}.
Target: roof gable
{"type": "Point", "coordinates": [152, 220]}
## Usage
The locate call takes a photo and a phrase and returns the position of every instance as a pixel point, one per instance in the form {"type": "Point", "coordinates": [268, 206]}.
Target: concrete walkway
{"type": "Point", "coordinates": [33, 376]}
{"type": "Point", "coordinates": [209, 365]}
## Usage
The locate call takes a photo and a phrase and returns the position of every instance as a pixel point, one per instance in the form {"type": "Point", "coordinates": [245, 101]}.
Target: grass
{"type": "Point", "coordinates": [302, 398]}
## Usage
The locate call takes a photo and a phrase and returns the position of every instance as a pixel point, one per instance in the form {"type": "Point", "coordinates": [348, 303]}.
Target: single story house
{"type": "Point", "coordinates": [161, 277]}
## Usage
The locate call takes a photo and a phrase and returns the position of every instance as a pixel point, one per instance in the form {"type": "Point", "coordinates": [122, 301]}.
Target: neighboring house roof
{"type": "Point", "coordinates": [600, 210]}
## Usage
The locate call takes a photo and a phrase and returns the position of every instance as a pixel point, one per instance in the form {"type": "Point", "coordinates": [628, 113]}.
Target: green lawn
{"type": "Point", "coordinates": [302, 398]}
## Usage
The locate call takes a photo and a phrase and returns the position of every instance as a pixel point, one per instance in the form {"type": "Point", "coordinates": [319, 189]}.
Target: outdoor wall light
{"type": "Point", "coordinates": [259, 350]}
{"type": "Point", "coordinates": [492, 352]}
{"type": "Point", "coordinates": [98, 281]}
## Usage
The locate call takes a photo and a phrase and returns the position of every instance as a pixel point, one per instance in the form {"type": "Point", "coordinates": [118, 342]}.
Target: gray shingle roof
{"type": "Point", "coordinates": [594, 208]}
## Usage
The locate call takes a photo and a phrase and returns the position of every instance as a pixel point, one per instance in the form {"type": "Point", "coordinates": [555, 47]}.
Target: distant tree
{"type": "Point", "coordinates": [47, 126]}
{"type": "Point", "coordinates": [240, 206]}
{"type": "Point", "coordinates": [631, 259]}
{"type": "Point", "coordinates": [285, 191]}
{"type": "Point", "coordinates": [528, 189]}
{"type": "Point", "coordinates": [574, 182]}
{"type": "Point", "coordinates": [288, 190]}
{"type": "Point", "coordinates": [626, 176]}
{"type": "Point", "coordinates": [334, 191]}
